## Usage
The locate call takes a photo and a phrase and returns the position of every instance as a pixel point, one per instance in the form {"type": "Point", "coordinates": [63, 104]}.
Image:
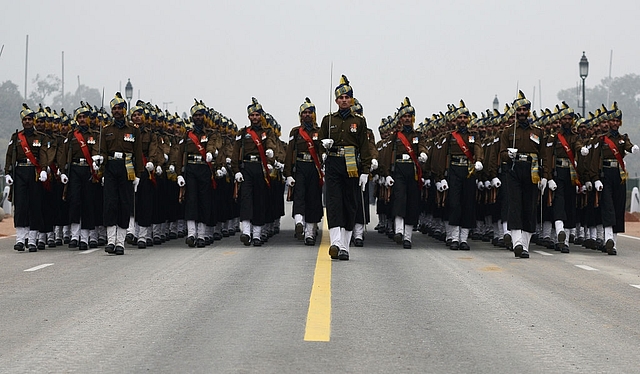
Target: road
{"type": "Point", "coordinates": [231, 308]}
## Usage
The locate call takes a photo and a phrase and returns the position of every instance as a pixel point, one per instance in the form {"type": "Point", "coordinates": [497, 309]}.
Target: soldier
{"type": "Point", "coordinates": [25, 166]}
{"type": "Point", "coordinates": [562, 149]}
{"type": "Point", "coordinates": [303, 173]}
{"type": "Point", "coordinates": [344, 136]}
{"type": "Point", "coordinates": [402, 168]}
{"type": "Point", "coordinates": [194, 167]}
{"type": "Point", "coordinates": [520, 146]}
{"type": "Point", "coordinates": [251, 164]}
{"type": "Point", "coordinates": [463, 156]}
{"type": "Point", "coordinates": [145, 194]}
{"type": "Point", "coordinates": [79, 174]}
{"type": "Point", "coordinates": [611, 149]}
{"type": "Point", "coordinates": [121, 152]}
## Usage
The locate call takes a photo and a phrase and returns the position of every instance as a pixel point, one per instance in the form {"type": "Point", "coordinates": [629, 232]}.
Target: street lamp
{"type": "Point", "coordinates": [496, 103]}
{"type": "Point", "coordinates": [584, 72]}
{"type": "Point", "coordinates": [128, 93]}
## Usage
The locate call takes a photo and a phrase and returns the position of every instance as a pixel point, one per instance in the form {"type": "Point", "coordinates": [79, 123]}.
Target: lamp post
{"type": "Point", "coordinates": [584, 72]}
{"type": "Point", "coordinates": [496, 103]}
{"type": "Point", "coordinates": [128, 93]}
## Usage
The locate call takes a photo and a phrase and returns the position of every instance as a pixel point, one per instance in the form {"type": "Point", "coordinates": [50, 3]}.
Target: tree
{"type": "Point", "coordinates": [626, 91]}
{"type": "Point", "coordinates": [10, 106]}
{"type": "Point", "coordinates": [45, 87]}
{"type": "Point", "coordinates": [72, 101]}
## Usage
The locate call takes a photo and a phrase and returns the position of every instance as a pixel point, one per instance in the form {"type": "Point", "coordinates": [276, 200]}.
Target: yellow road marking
{"type": "Point", "coordinates": [318, 327]}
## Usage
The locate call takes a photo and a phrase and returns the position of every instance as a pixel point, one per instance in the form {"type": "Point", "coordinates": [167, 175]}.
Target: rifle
{"type": "Point", "coordinates": [14, 161]}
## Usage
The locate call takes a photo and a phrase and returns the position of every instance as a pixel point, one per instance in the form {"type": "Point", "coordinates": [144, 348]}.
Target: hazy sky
{"type": "Point", "coordinates": [434, 52]}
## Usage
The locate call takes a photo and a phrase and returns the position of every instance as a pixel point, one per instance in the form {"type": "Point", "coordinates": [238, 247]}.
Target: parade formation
{"type": "Point", "coordinates": [141, 176]}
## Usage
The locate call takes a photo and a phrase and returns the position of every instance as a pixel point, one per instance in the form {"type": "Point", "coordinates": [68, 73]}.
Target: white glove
{"type": "Point", "coordinates": [389, 181]}
{"type": "Point", "coordinates": [582, 190]}
{"type": "Point", "coordinates": [439, 186]}
{"type": "Point", "coordinates": [269, 153]}
{"type": "Point", "coordinates": [584, 151]}
{"type": "Point", "coordinates": [102, 182]}
{"type": "Point", "coordinates": [422, 157]}
{"type": "Point", "coordinates": [270, 167]}
{"type": "Point", "coordinates": [588, 185]}
{"type": "Point", "coordinates": [374, 164]}
{"type": "Point", "coordinates": [8, 180]}
{"type": "Point", "coordinates": [364, 179]}
{"type": "Point", "coordinates": [96, 167]}
{"type": "Point", "coordinates": [635, 148]}
{"type": "Point", "coordinates": [221, 172]}
{"type": "Point", "coordinates": [64, 179]}
{"type": "Point", "coordinates": [228, 160]}
{"type": "Point", "coordinates": [553, 185]}
{"type": "Point", "coordinates": [149, 166]}
{"type": "Point", "coordinates": [43, 176]}
{"type": "Point", "coordinates": [58, 173]}
{"type": "Point", "coordinates": [512, 152]}
{"type": "Point", "coordinates": [598, 185]}
{"type": "Point", "coordinates": [480, 185]}
{"type": "Point", "coordinates": [181, 181]}
{"type": "Point", "coordinates": [324, 157]}
{"type": "Point", "coordinates": [479, 166]}
{"type": "Point", "coordinates": [208, 157]}
{"type": "Point", "coordinates": [487, 184]}
{"type": "Point", "coordinates": [215, 154]}
{"type": "Point", "coordinates": [495, 183]}
{"type": "Point", "coordinates": [159, 170]}
{"type": "Point", "coordinates": [427, 183]}
{"type": "Point", "coordinates": [327, 143]}
{"type": "Point", "coordinates": [542, 184]}
{"type": "Point", "coordinates": [172, 168]}
{"type": "Point", "coordinates": [98, 159]}
{"type": "Point", "coordinates": [290, 182]}
{"type": "Point", "coordinates": [279, 165]}
{"type": "Point", "coordinates": [444, 184]}
{"type": "Point", "coordinates": [166, 157]}
{"type": "Point", "coordinates": [239, 177]}
{"type": "Point", "coordinates": [135, 184]}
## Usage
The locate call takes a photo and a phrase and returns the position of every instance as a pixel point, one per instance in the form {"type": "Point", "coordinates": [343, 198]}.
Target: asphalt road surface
{"type": "Point", "coordinates": [287, 308]}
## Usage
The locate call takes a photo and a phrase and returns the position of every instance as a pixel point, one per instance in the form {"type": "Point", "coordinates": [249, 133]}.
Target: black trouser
{"type": "Point", "coordinates": [342, 192]}
{"type": "Point", "coordinates": [197, 195]}
{"type": "Point", "coordinates": [27, 198]}
{"type": "Point", "coordinates": [406, 193]}
{"type": "Point", "coordinates": [461, 198]}
{"type": "Point", "coordinates": [118, 194]}
{"type": "Point", "coordinates": [253, 194]}
{"type": "Point", "coordinates": [613, 199]}
{"type": "Point", "coordinates": [307, 193]}
{"type": "Point", "coordinates": [523, 196]}
{"type": "Point", "coordinates": [80, 196]}
{"type": "Point", "coordinates": [145, 197]}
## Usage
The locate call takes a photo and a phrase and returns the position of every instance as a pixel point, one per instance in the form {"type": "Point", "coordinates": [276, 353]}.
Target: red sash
{"type": "Point", "coordinates": [203, 152]}
{"type": "Point", "coordinates": [312, 151]}
{"type": "Point", "coordinates": [411, 153]}
{"type": "Point", "coordinates": [85, 153]}
{"type": "Point", "coordinates": [615, 151]}
{"type": "Point", "coordinates": [32, 158]}
{"type": "Point", "coordinates": [462, 145]}
{"type": "Point", "coordinates": [263, 156]}
{"type": "Point", "coordinates": [569, 153]}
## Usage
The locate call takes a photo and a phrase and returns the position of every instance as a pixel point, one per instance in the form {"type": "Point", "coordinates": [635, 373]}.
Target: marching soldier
{"type": "Point", "coordinates": [402, 166]}
{"type": "Point", "coordinates": [608, 159]}
{"type": "Point", "coordinates": [121, 152]}
{"type": "Point", "coordinates": [25, 166]}
{"type": "Point", "coordinates": [303, 173]}
{"type": "Point", "coordinates": [464, 156]}
{"type": "Point", "coordinates": [251, 164]}
{"type": "Point", "coordinates": [80, 174]}
{"type": "Point", "coordinates": [344, 136]}
{"type": "Point", "coordinates": [521, 147]}
{"type": "Point", "coordinates": [194, 167]}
